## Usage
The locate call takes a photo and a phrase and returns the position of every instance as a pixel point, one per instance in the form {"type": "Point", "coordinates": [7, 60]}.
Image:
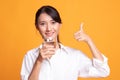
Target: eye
{"type": "Point", "coordinates": [53, 22]}
{"type": "Point", "coordinates": [42, 24]}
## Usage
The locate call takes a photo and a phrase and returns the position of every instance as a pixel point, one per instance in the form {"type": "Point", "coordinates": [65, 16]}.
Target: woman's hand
{"type": "Point", "coordinates": [81, 35]}
{"type": "Point", "coordinates": [46, 51]}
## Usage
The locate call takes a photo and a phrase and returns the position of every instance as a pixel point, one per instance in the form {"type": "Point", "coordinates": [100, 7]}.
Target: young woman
{"type": "Point", "coordinates": [54, 61]}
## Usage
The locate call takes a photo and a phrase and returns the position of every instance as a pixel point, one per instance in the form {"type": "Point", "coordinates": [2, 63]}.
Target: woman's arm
{"type": "Point", "coordinates": [34, 75]}
{"type": "Point", "coordinates": [95, 52]}
{"type": "Point", "coordinates": [82, 36]}
{"type": "Point", "coordinates": [98, 67]}
{"type": "Point", "coordinates": [44, 53]}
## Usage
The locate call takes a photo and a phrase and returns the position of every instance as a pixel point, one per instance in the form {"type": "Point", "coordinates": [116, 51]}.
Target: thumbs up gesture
{"type": "Point", "coordinates": [81, 35]}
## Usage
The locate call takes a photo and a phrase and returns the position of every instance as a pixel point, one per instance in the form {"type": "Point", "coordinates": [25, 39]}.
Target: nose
{"type": "Point", "coordinates": [49, 27]}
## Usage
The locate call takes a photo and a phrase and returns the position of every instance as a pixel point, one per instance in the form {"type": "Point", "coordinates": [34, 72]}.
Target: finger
{"type": "Point", "coordinates": [77, 33]}
{"type": "Point", "coordinates": [80, 39]}
{"type": "Point", "coordinates": [45, 55]}
{"type": "Point", "coordinates": [51, 52]}
{"type": "Point", "coordinates": [81, 26]}
{"type": "Point", "coordinates": [48, 56]}
{"type": "Point", "coordinates": [50, 49]}
{"type": "Point", "coordinates": [77, 36]}
{"type": "Point", "coordinates": [48, 52]}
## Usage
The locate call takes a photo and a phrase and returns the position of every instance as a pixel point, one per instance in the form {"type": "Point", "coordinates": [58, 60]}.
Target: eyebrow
{"type": "Point", "coordinates": [45, 21]}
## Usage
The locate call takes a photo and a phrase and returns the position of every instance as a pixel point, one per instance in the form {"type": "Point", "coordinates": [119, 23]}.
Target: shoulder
{"type": "Point", "coordinates": [32, 52]}
{"type": "Point", "coordinates": [74, 51]}
{"type": "Point", "coordinates": [70, 49]}
{"type": "Point", "coordinates": [29, 59]}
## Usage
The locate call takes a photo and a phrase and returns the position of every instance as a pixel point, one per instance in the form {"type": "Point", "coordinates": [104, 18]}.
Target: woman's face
{"type": "Point", "coordinates": [47, 27]}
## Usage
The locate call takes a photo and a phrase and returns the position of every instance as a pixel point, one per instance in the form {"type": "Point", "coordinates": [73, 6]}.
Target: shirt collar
{"type": "Point", "coordinates": [62, 47]}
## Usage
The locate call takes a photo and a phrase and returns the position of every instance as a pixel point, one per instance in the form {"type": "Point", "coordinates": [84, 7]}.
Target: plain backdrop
{"type": "Point", "coordinates": [18, 33]}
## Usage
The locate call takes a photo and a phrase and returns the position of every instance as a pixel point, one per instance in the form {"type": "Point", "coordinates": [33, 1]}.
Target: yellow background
{"type": "Point", "coordinates": [18, 33]}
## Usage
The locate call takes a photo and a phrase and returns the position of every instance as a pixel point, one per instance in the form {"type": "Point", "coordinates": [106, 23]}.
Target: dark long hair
{"type": "Point", "coordinates": [51, 11]}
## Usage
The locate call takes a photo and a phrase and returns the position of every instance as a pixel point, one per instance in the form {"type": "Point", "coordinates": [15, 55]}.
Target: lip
{"type": "Point", "coordinates": [49, 34]}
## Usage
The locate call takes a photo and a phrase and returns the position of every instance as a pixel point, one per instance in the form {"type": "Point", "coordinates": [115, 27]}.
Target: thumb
{"type": "Point", "coordinates": [81, 27]}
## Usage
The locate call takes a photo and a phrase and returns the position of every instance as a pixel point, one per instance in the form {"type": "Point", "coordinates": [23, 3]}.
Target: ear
{"type": "Point", "coordinates": [36, 26]}
{"type": "Point", "coordinates": [60, 25]}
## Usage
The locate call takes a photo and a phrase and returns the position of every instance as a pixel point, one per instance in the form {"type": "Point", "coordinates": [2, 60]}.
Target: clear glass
{"type": "Point", "coordinates": [49, 43]}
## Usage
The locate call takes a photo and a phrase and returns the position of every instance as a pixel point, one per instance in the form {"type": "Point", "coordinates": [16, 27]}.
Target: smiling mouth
{"type": "Point", "coordinates": [49, 34]}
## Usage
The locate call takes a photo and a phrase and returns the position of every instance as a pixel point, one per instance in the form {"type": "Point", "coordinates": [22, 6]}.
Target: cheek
{"type": "Point", "coordinates": [41, 29]}
{"type": "Point", "coordinates": [57, 28]}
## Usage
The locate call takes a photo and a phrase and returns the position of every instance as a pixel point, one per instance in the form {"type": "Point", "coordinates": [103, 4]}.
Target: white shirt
{"type": "Point", "coordinates": [66, 64]}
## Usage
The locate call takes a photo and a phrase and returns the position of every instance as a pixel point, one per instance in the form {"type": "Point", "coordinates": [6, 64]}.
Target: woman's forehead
{"type": "Point", "coordinates": [45, 17]}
